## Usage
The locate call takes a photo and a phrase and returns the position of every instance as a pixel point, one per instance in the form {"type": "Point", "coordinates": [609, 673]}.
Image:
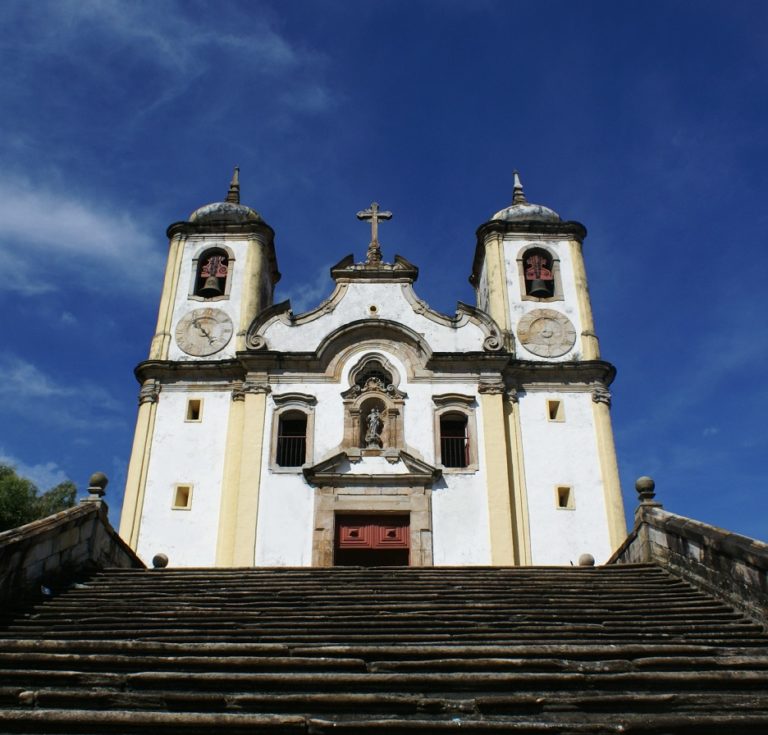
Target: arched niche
{"type": "Point", "coordinates": [373, 407]}
{"type": "Point", "coordinates": [539, 273]}
{"type": "Point", "coordinates": [212, 273]}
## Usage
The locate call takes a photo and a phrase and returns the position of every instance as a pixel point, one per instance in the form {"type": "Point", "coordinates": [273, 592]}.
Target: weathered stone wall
{"type": "Point", "coordinates": [57, 550]}
{"type": "Point", "coordinates": [731, 566]}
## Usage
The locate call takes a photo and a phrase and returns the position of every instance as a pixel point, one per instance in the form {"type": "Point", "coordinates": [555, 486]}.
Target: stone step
{"type": "Point", "coordinates": [557, 650]}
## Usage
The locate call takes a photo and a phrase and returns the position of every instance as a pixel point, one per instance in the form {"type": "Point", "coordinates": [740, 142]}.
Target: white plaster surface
{"type": "Point", "coordinates": [185, 453]}
{"type": "Point", "coordinates": [285, 524]}
{"type": "Point", "coordinates": [563, 454]}
{"type": "Point", "coordinates": [391, 305]}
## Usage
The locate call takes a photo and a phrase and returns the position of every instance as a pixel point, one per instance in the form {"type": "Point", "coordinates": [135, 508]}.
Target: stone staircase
{"type": "Point", "coordinates": [617, 649]}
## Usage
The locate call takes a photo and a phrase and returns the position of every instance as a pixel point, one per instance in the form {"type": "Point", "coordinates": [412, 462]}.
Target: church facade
{"type": "Point", "coordinates": [373, 429]}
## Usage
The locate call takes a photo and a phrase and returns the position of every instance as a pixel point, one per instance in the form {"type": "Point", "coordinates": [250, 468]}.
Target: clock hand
{"type": "Point", "coordinates": [204, 331]}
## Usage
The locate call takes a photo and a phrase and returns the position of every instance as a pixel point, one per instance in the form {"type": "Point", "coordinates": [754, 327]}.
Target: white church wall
{"type": "Point", "coordinates": [459, 501]}
{"type": "Point", "coordinates": [460, 522]}
{"type": "Point", "coordinates": [184, 305]}
{"type": "Point", "coordinates": [390, 304]}
{"type": "Point", "coordinates": [518, 307]}
{"type": "Point", "coordinates": [185, 453]}
{"type": "Point", "coordinates": [284, 530]}
{"type": "Point", "coordinates": [563, 454]}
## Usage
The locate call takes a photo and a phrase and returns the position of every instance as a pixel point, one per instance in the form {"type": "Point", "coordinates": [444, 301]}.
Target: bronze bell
{"type": "Point", "coordinates": [211, 287]}
{"type": "Point", "coordinates": [540, 288]}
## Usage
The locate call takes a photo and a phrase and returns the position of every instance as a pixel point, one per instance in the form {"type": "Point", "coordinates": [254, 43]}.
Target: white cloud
{"type": "Point", "coordinates": [45, 475]}
{"type": "Point", "coordinates": [170, 43]}
{"type": "Point", "coordinates": [52, 237]}
{"type": "Point", "coordinates": [169, 34]}
{"type": "Point", "coordinates": [28, 391]}
{"type": "Point", "coordinates": [305, 296]}
{"type": "Point", "coordinates": [22, 380]}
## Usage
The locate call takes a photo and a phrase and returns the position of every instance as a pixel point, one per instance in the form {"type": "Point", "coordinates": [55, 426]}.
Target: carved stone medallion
{"type": "Point", "coordinates": [203, 332]}
{"type": "Point", "coordinates": [546, 333]}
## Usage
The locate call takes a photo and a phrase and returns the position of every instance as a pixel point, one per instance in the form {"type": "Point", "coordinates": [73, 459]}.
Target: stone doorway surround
{"type": "Point", "coordinates": [339, 491]}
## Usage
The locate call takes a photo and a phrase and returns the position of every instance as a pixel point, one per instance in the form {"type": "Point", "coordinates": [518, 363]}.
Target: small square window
{"type": "Point", "coordinates": [555, 410]}
{"type": "Point", "coordinates": [564, 497]}
{"type": "Point", "coordinates": [182, 497]}
{"type": "Point", "coordinates": [194, 409]}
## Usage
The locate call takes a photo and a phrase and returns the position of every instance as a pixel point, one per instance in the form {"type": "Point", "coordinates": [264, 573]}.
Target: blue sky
{"type": "Point", "coordinates": [644, 120]}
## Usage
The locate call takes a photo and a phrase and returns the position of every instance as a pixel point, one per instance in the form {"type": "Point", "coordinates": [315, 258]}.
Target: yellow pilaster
{"type": "Point", "coordinates": [590, 348]}
{"type": "Point", "coordinates": [500, 515]}
{"type": "Point", "coordinates": [230, 485]}
{"type": "Point", "coordinates": [498, 296]}
{"type": "Point", "coordinates": [609, 468]}
{"type": "Point", "coordinates": [246, 517]}
{"type": "Point", "coordinates": [161, 342]}
{"type": "Point", "coordinates": [136, 481]}
{"type": "Point", "coordinates": [251, 300]}
{"type": "Point", "coordinates": [522, 535]}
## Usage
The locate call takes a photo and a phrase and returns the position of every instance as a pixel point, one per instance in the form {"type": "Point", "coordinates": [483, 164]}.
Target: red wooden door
{"type": "Point", "coordinates": [367, 540]}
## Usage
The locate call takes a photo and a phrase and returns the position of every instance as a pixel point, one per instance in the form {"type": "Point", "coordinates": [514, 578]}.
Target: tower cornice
{"type": "Point", "coordinates": [570, 229]}
{"type": "Point", "coordinates": [219, 227]}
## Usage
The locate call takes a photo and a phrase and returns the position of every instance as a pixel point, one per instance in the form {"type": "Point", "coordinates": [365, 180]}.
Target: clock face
{"type": "Point", "coordinates": [546, 333]}
{"type": "Point", "coordinates": [203, 332]}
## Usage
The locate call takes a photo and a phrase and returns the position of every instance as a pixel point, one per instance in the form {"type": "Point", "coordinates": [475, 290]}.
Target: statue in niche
{"type": "Point", "coordinates": [375, 425]}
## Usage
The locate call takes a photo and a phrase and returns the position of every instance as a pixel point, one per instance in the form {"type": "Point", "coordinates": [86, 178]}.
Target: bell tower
{"type": "Point", "coordinates": [221, 272]}
{"type": "Point", "coordinates": [529, 275]}
{"type": "Point", "coordinates": [221, 261]}
{"type": "Point", "coordinates": [528, 261]}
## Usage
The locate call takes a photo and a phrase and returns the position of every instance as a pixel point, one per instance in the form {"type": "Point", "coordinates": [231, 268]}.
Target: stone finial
{"type": "Point", "coordinates": [518, 195]}
{"type": "Point", "coordinates": [645, 487]}
{"type": "Point", "coordinates": [159, 561]}
{"type": "Point", "coordinates": [97, 486]}
{"type": "Point", "coordinates": [233, 195]}
{"type": "Point", "coordinates": [586, 560]}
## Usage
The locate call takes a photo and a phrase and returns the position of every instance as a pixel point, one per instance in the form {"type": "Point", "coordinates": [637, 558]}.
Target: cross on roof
{"type": "Point", "coordinates": [374, 214]}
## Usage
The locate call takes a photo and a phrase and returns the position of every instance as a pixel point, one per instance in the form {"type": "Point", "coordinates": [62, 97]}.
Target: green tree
{"type": "Point", "coordinates": [21, 501]}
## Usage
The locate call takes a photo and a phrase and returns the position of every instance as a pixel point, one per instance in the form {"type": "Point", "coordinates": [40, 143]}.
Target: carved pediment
{"type": "Point", "coordinates": [374, 385]}
{"type": "Point", "coordinates": [389, 468]}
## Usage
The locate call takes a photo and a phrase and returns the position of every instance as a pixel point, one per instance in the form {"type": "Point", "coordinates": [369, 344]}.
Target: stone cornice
{"type": "Point", "coordinates": [203, 370]}
{"type": "Point", "coordinates": [212, 228]}
{"type": "Point", "coordinates": [465, 365]}
{"type": "Point", "coordinates": [519, 372]}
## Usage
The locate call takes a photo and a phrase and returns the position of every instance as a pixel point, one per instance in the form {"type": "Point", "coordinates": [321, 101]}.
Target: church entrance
{"type": "Point", "coordinates": [372, 540]}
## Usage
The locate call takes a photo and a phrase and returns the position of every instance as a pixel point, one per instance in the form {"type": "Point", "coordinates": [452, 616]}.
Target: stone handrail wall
{"type": "Point", "coordinates": [59, 549]}
{"type": "Point", "coordinates": [730, 566]}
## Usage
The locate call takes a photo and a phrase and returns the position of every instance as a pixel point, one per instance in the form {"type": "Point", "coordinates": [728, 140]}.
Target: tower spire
{"type": "Point", "coordinates": [518, 196]}
{"type": "Point", "coordinates": [233, 195]}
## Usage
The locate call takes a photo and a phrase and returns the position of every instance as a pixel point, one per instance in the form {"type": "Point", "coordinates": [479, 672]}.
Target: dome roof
{"type": "Point", "coordinates": [225, 212]}
{"type": "Point", "coordinates": [521, 210]}
{"type": "Point", "coordinates": [229, 210]}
